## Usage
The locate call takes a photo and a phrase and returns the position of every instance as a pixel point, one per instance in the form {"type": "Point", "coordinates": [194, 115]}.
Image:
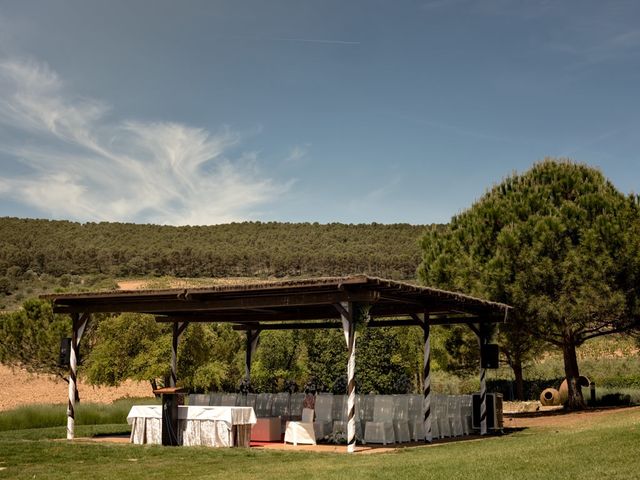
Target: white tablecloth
{"type": "Point", "coordinates": [212, 426]}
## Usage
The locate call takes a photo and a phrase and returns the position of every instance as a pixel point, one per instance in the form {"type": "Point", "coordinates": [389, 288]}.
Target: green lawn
{"type": "Point", "coordinates": [604, 447]}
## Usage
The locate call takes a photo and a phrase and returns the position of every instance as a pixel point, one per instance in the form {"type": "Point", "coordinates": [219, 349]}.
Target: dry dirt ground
{"type": "Point", "coordinates": [21, 388]}
{"type": "Point", "coordinates": [563, 420]}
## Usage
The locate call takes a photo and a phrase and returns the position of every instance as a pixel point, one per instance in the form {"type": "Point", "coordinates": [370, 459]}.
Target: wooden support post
{"type": "Point", "coordinates": [426, 380]}
{"type": "Point", "coordinates": [174, 356]}
{"type": "Point", "coordinates": [252, 345]}
{"type": "Point", "coordinates": [178, 328]}
{"type": "Point", "coordinates": [348, 325]}
{"type": "Point", "coordinates": [78, 324]}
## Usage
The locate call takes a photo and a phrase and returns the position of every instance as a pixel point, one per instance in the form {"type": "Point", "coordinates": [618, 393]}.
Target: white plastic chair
{"type": "Point", "coordinates": [401, 418]}
{"type": "Point", "coordinates": [454, 414]}
{"type": "Point", "coordinates": [338, 409]}
{"type": "Point", "coordinates": [380, 429]}
{"type": "Point", "coordinates": [263, 405]}
{"type": "Point", "coordinates": [297, 402]}
{"type": "Point", "coordinates": [324, 415]}
{"type": "Point", "coordinates": [440, 410]}
{"type": "Point", "coordinates": [199, 399]}
{"type": "Point", "coordinates": [435, 423]}
{"type": "Point", "coordinates": [229, 400]}
{"type": "Point", "coordinates": [360, 420]}
{"type": "Point", "coordinates": [466, 411]}
{"type": "Point", "coordinates": [341, 417]}
{"type": "Point", "coordinates": [301, 432]}
{"type": "Point", "coordinates": [366, 411]}
{"type": "Point", "coordinates": [280, 405]}
{"type": "Point", "coordinates": [248, 400]}
{"type": "Point", "coordinates": [416, 425]}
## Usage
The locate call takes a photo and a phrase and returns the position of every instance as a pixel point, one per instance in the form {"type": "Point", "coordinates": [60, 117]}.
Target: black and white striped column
{"type": "Point", "coordinates": [483, 339]}
{"type": "Point", "coordinates": [483, 401]}
{"type": "Point", "coordinates": [348, 326]}
{"type": "Point", "coordinates": [78, 326]}
{"type": "Point", "coordinates": [426, 379]}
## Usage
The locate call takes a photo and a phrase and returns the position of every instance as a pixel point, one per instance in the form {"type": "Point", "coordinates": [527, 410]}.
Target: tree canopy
{"type": "Point", "coordinates": [560, 244]}
{"type": "Point", "coordinates": [135, 346]}
{"type": "Point", "coordinates": [55, 248]}
{"type": "Point", "coordinates": [30, 338]}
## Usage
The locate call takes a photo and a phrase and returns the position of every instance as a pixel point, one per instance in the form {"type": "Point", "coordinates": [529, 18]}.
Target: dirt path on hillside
{"type": "Point", "coordinates": [132, 284]}
{"type": "Point", "coordinates": [22, 388]}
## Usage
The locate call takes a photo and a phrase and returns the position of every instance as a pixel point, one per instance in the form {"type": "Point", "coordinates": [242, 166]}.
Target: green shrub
{"type": "Point", "coordinates": [5, 286]}
{"type": "Point", "coordinates": [451, 384]}
{"type": "Point", "coordinates": [614, 400]}
{"type": "Point", "coordinates": [621, 381]}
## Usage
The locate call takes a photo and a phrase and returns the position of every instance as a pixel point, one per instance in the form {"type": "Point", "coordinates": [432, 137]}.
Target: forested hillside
{"type": "Point", "coordinates": [55, 248]}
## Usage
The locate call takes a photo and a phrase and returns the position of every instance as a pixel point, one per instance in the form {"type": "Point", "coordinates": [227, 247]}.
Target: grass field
{"type": "Point", "coordinates": [39, 416]}
{"type": "Point", "coordinates": [604, 446]}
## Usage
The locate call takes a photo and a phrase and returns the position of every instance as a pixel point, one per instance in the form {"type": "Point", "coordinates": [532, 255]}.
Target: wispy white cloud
{"type": "Point", "coordinates": [297, 154]}
{"type": "Point", "coordinates": [80, 165]}
{"type": "Point", "coordinates": [598, 47]}
{"type": "Point", "coordinates": [371, 200]}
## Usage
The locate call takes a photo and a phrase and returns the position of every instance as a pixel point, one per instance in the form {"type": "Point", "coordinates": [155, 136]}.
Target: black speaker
{"type": "Point", "coordinates": [489, 356]}
{"type": "Point", "coordinates": [65, 352]}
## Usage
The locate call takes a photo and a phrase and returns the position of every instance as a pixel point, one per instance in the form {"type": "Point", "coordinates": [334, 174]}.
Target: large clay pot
{"type": "Point", "coordinates": [549, 397]}
{"type": "Point", "coordinates": [564, 387]}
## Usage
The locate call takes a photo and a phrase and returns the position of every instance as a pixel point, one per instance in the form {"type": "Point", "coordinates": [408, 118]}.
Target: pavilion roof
{"type": "Point", "coordinates": [295, 303]}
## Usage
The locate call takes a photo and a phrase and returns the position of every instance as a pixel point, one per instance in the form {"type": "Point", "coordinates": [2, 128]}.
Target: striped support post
{"type": "Point", "coordinates": [483, 385]}
{"type": "Point", "coordinates": [348, 326]}
{"type": "Point", "coordinates": [78, 326]}
{"type": "Point", "coordinates": [483, 401]}
{"type": "Point", "coordinates": [426, 377]}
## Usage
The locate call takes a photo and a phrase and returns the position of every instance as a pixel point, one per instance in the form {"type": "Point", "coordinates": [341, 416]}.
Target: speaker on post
{"type": "Point", "coordinates": [65, 352]}
{"type": "Point", "coordinates": [489, 356]}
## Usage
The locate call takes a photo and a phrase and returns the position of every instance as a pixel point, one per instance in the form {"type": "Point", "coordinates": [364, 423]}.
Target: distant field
{"type": "Point", "coordinates": [22, 388]}
{"type": "Point", "coordinates": [596, 446]}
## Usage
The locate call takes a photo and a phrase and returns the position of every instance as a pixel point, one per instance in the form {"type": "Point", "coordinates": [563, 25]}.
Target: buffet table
{"type": "Point", "coordinates": [197, 425]}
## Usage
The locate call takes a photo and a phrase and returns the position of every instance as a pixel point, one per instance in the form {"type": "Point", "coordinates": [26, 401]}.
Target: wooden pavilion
{"type": "Point", "coordinates": [336, 302]}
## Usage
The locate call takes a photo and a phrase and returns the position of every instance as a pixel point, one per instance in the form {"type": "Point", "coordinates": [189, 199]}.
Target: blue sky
{"type": "Point", "coordinates": [202, 112]}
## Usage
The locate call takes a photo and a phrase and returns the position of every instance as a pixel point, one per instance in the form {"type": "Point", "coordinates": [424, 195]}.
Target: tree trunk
{"type": "Point", "coordinates": [516, 366]}
{"type": "Point", "coordinates": [154, 386]}
{"type": "Point", "coordinates": [575, 400]}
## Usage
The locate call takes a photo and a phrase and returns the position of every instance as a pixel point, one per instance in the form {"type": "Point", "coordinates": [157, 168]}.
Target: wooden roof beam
{"type": "Point", "coordinates": [238, 303]}
{"type": "Point", "coordinates": [312, 325]}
